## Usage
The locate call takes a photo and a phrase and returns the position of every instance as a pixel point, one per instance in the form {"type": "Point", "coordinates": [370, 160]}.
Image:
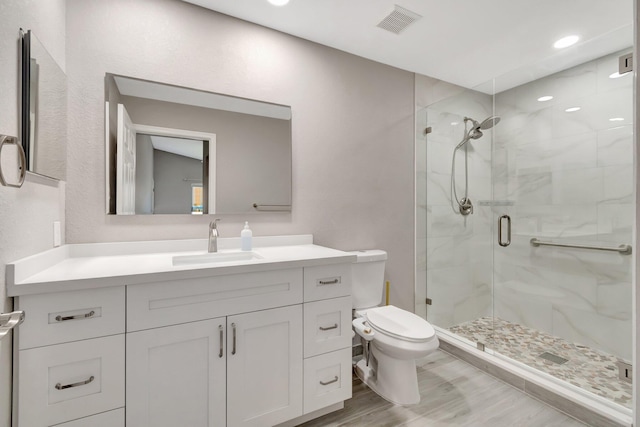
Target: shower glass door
{"type": "Point", "coordinates": [560, 171]}
{"type": "Point", "coordinates": [457, 259]}
{"type": "Point", "coordinates": [563, 172]}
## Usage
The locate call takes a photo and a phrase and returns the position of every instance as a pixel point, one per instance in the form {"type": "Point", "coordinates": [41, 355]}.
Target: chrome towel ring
{"type": "Point", "coordinates": [4, 140]}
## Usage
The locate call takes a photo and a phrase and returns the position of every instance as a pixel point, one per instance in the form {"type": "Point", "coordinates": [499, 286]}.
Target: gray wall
{"type": "Point", "coordinates": [352, 129]}
{"type": "Point", "coordinates": [26, 214]}
{"type": "Point", "coordinates": [172, 192]}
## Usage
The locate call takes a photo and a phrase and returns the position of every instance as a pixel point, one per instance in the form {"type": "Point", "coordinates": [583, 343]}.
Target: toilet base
{"type": "Point", "coordinates": [394, 380]}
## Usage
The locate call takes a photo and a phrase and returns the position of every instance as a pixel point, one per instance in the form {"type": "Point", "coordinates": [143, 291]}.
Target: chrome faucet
{"type": "Point", "coordinates": [213, 236]}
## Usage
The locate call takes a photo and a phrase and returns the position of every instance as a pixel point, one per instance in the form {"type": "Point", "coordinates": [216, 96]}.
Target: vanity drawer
{"type": "Point", "coordinates": [327, 326]}
{"type": "Point", "coordinates": [107, 419]}
{"type": "Point", "coordinates": [152, 305]}
{"type": "Point", "coordinates": [327, 379]}
{"type": "Point", "coordinates": [71, 316]}
{"type": "Point", "coordinates": [68, 381]}
{"type": "Point", "coordinates": [327, 281]}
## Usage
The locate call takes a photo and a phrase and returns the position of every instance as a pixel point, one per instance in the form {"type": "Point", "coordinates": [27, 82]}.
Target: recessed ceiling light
{"type": "Point", "coordinates": [278, 2]}
{"type": "Point", "coordinates": [616, 119]}
{"type": "Point", "coordinates": [566, 42]}
{"type": "Point", "coordinates": [572, 109]}
{"type": "Point", "coordinates": [545, 98]}
{"type": "Point", "coordinates": [616, 75]}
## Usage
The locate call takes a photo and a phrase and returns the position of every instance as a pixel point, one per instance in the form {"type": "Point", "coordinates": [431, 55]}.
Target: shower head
{"type": "Point", "coordinates": [476, 129]}
{"type": "Point", "coordinates": [489, 123]}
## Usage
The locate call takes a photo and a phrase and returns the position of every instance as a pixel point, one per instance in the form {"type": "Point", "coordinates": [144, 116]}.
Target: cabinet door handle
{"type": "Point", "coordinates": [335, 379]}
{"type": "Point", "coordinates": [221, 329]}
{"type": "Point", "coordinates": [78, 384]}
{"type": "Point", "coordinates": [329, 282]}
{"type": "Point", "coordinates": [233, 327]}
{"type": "Point", "coordinates": [328, 328]}
{"type": "Point", "coordinates": [79, 316]}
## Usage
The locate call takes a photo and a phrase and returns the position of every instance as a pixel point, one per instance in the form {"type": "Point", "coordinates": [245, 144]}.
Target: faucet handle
{"type": "Point", "coordinates": [213, 224]}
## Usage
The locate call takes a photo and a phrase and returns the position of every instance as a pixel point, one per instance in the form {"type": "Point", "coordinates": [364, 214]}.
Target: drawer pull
{"type": "Point", "coordinates": [79, 316]}
{"type": "Point", "coordinates": [329, 282]}
{"type": "Point", "coordinates": [221, 329]}
{"type": "Point", "coordinates": [335, 379]}
{"type": "Point", "coordinates": [328, 328]}
{"type": "Point", "coordinates": [78, 384]}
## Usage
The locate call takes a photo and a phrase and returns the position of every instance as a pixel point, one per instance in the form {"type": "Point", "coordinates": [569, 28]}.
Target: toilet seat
{"type": "Point", "coordinates": [400, 324]}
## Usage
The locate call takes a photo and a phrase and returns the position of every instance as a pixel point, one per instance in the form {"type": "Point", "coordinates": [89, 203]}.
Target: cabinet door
{"type": "Point", "coordinates": [176, 376]}
{"type": "Point", "coordinates": [264, 367]}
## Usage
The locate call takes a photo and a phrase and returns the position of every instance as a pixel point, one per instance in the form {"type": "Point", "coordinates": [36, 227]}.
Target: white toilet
{"type": "Point", "coordinates": [396, 337]}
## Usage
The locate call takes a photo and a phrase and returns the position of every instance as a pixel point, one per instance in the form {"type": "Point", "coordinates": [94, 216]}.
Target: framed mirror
{"type": "Point", "coordinates": [43, 109]}
{"type": "Point", "coordinates": [177, 150]}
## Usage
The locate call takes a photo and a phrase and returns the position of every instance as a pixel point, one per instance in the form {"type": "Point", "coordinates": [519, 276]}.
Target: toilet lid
{"type": "Point", "coordinates": [400, 323]}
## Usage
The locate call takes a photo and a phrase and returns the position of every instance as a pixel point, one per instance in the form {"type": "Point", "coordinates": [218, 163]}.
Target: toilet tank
{"type": "Point", "coordinates": [367, 278]}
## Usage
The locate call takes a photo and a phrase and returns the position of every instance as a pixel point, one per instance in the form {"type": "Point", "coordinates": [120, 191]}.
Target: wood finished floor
{"type": "Point", "coordinates": [454, 393]}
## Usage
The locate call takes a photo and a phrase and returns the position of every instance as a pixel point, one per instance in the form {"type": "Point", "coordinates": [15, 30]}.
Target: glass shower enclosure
{"type": "Point", "coordinates": [540, 272]}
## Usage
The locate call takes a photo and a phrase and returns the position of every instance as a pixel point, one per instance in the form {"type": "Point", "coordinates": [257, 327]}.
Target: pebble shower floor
{"type": "Point", "coordinates": [589, 369]}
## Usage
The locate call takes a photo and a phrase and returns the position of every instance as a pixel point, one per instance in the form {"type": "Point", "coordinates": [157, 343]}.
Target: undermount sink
{"type": "Point", "coordinates": [215, 257]}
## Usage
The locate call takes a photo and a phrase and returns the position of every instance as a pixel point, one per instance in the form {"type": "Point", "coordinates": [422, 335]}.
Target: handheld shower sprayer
{"type": "Point", "coordinates": [465, 207]}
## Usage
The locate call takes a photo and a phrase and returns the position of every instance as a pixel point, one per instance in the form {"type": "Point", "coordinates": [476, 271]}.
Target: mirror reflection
{"type": "Point", "coordinates": [43, 110]}
{"type": "Point", "coordinates": [171, 175]}
{"type": "Point", "coordinates": [176, 150]}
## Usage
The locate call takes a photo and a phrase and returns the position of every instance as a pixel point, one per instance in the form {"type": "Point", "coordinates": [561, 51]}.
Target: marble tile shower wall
{"type": "Point", "coordinates": [457, 261]}
{"type": "Point", "coordinates": [567, 176]}
{"type": "Point", "coordinates": [559, 175]}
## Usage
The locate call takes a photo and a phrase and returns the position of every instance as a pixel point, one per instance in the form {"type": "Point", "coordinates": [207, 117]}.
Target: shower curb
{"type": "Point", "coordinates": [602, 416]}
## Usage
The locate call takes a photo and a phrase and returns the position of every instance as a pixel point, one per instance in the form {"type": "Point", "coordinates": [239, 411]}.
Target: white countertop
{"type": "Point", "coordinates": [85, 266]}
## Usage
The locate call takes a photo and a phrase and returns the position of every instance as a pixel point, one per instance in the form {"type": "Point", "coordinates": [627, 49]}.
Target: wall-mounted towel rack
{"type": "Point", "coordinates": [8, 321]}
{"type": "Point", "coordinates": [273, 208]}
{"type": "Point", "coordinates": [623, 249]}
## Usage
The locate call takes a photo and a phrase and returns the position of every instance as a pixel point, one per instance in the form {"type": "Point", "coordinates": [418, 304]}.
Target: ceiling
{"type": "Point", "coordinates": [180, 146]}
{"type": "Point", "coordinates": [466, 42]}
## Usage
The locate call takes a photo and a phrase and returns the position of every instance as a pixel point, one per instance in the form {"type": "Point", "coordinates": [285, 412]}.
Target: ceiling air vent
{"type": "Point", "coordinates": [398, 20]}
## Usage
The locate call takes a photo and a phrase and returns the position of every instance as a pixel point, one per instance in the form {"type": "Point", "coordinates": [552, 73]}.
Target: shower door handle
{"type": "Point", "coordinates": [500, 221]}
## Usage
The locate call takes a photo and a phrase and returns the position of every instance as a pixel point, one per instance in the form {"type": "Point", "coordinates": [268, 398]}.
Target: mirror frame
{"type": "Point", "coordinates": [42, 110]}
{"type": "Point", "coordinates": [25, 83]}
{"type": "Point", "coordinates": [110, 157]}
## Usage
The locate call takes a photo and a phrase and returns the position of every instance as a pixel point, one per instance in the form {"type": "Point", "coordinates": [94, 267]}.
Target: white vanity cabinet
{"type": "Point", "coordinates": [118, 340]}
{"type": "Point", "coordinates": [240, 369]}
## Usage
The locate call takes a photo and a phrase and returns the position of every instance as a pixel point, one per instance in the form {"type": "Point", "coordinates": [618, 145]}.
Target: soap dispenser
{"type": "Point", "coordinates": [245, 237]}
